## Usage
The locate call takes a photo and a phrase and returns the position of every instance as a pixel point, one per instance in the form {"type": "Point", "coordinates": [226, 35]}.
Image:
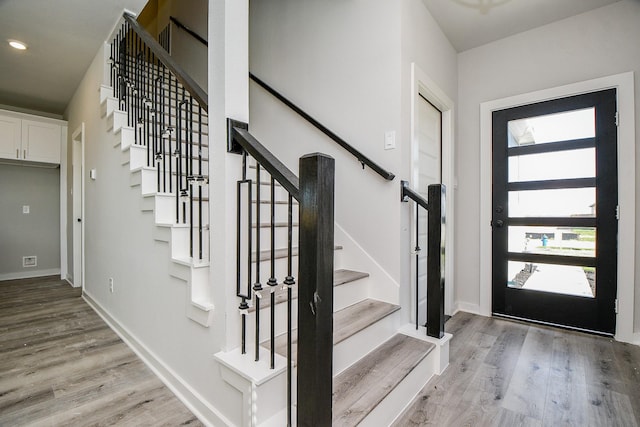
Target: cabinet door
{"type": "Point", "coordinates": [41, 141]}
{"type": "Point", "coordinates": [10, 138]}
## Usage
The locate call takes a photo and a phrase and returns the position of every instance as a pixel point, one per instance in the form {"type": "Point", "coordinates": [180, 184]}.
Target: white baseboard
{"type": "Point", "coordinates": [206, 413]}
{"type": "Point", "coordinates": [29, 274]}
{"type": "Point", "coordinates": [466, 307]}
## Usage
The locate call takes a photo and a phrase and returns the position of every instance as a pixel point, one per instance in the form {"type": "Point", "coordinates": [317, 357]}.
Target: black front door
{"type": "Point", "coordinates": [555, 198]}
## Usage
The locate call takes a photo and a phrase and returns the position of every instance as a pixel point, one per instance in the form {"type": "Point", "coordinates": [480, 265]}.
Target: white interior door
{"type": "Point", "coordinates": [428, 170]}
{"type": "Point", "coordinates": [78, 207]}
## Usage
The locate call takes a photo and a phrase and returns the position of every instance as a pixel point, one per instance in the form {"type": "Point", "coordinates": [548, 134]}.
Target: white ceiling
{"type": "Point", "coordinates": [63, 37]}
{"type": "Point", "coordinates": [472, 23]}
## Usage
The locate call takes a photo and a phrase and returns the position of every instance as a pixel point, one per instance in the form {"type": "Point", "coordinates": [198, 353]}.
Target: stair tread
{"type": "Point", "coordinates": [340, 277]}
{"type": "Point", "coordinates": [361, 387]}
{"type": "Point", "coordinates": [282, 253]}
{"type": "Point", "coordinates": [346, 323]}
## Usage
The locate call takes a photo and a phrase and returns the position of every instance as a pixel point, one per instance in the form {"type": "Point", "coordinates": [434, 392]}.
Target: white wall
{"type": "Point", "coordinates": [348, 65]}
{"type": "Point", "coordinates": [425, 46]}
{"type": "Point", "coordinates": [594, 44]}
{"type": "Point", "coordinates": [146, 303]}
{"type": "Point", "coordinates": [186, 50]}
{"type": "Point", "coordinates": [36, 233]}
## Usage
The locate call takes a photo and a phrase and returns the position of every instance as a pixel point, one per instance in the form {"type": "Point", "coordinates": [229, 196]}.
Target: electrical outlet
{"type": "Point", "coordinates": [111, 284]}
{"type": "Point", "coordinates": [26, 209]}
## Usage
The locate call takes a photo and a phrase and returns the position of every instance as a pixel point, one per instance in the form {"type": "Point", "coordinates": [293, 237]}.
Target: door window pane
{"type": "Point", "coordinates": [568, 241]}
{"type": "Point", "coordinates": [576, 124]}
{"type": "Point", "coordinates": [555, 165]}
{"type": "Point", "coordinates": [565, 202]}
{"type": "Point", "coordinates": [559, 279]}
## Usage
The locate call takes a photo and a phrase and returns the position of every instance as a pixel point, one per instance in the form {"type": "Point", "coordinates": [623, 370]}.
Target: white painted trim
{"type": "Point", "coordinates": [626, 193]}
{"type": "Point", "coordinates": [206, 413]}
{"type": "Point", "coordinates": [30, 274]}
{"type": "Point", "coordinates": [467, 308]}
{"type": "Point", "coordinates": [64, 266]}
{"type": "Point", "coordinates": [421, 83]}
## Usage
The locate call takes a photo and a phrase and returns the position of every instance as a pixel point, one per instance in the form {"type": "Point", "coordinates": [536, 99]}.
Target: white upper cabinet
{"type": "Point", "coordinates": [10, 137]}
{"type": "Point", "coordinates": [30, 138]}
{"type": "Point", "coordinates": [41, 141]}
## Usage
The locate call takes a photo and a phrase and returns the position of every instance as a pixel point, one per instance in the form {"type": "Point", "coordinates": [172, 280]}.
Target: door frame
{"type": "Point", "coordinates": [624, 83]}
{"type": "Point", "coordinates": [422, 84]}
{"type": "Point", "coordinates": [77, 149]}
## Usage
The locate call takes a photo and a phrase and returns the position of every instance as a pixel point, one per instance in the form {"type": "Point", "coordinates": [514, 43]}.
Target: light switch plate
{"type": "Point", "coordinates": [390, 140]}
{"type": "Point", "coordinates": [26, 209]}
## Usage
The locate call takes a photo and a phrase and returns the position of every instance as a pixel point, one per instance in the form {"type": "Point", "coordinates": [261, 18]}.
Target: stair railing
{"type": "Point", "coordinates": [314, 193]}
{"type": "Point", "coordinates": [188, 30]}
{"type": "Point", "coordinates": [168, 112]}
{"type": "Point", "coordinates": [435, 207]}
{"type": "Point", "coordinates": [364, 160]}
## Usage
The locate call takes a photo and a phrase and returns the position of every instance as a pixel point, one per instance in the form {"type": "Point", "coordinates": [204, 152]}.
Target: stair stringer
{"type": "Point", "coordinates": [183, 268]}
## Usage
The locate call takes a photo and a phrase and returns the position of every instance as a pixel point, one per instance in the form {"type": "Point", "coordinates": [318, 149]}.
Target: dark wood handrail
{"type": "Point", "coordinates": [408, 193]}
{"type": "Point", "coordinates": [268, 161]}
{"type": "Point", "coordinates": [364, 160]}
{"type": "Point", "coordinates": [185, 80]}
{"type": "Point", "coordinates": [188, 30]}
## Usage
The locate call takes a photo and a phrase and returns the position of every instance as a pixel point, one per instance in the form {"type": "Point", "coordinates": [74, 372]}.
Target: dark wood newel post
{"type": "Point", "coordinates": [315, 293]}
{"type": "Point", "coordinates": [435, 261]}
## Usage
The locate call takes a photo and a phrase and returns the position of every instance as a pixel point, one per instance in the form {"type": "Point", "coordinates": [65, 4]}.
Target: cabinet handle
{"type": "Point", "coordinates": [25, 154]}
{"type": "Point", "coordinates": [17, 153]}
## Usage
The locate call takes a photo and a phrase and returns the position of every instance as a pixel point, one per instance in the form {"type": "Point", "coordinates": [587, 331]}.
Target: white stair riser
{"type": "Point", "coordinates": [180, 242]}
{"type": "Point", "coordinates": [396, 401]}
{"type": "Point", "coordinates": [281, 195]}
{"type": "Point", "coordinates": [163, 206]}
{"type": "Point", "coordinates": [108, 106]}
{"type": "Point", "coordinates": [147, 178]}
{"type": "Point", "coordinates": [105, 92]}
{"type": "Point", "coordinates": [343, 296]}
{"type": "Point", "coordinates": [281, 211]}
{"type": "Point", "coordinates": [349, 351]}
{"type": "Point", "coordinates": [265, 322]}
{"type": "Point", "coordinates": [281, 237]}
{"type": "Point", "coordinates": [116, 120]}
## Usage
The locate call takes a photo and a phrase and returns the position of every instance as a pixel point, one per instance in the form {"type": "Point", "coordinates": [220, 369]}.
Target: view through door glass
{"type": "Point", "coordinates": [554, 211]}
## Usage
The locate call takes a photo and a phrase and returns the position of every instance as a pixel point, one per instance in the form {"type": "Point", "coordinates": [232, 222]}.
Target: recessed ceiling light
{"type": "Point", "coordinates": [16, 44]}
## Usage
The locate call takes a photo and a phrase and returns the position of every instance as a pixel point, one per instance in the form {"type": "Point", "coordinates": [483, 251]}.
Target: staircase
{"type": "Point", "coordinates": [377, 362]}
{"type": "Point", "coordinates": [162, 133]}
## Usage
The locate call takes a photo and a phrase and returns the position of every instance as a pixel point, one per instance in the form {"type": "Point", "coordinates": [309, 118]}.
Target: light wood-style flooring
{"type": "Point", "coordinates": [61, 365]}
{"type": "Point", "coordinates": [505, 373]}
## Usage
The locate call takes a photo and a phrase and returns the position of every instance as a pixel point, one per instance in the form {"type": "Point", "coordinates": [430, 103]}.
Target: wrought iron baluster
{"type": "Point", "coordinates": [190, 177]}
{"type": "Point", "coordinates": [272, 282]}
{"type": "Point", "coordinates": [257, 287]}
{"type": "Point", "coordinates": [417, 251]}
{"type": "Point", "coordinates": [184, 167]}
{"type": "Point", "coordinates": [289, 282]}
{"type": "Point", "coordinates": [202, 182]}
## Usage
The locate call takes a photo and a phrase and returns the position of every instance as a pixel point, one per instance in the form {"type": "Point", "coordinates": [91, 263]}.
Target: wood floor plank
{"type": "Point", "coordinates": [60, 364]}
{"type": "Point", "coordinates": [590, 380]}
{"type": "Point", "coordinates": [531, 372]}
{"type": "Point", "coordinates": [566, 397]}
{"type": "Point", "coordinates": [609, 408]}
